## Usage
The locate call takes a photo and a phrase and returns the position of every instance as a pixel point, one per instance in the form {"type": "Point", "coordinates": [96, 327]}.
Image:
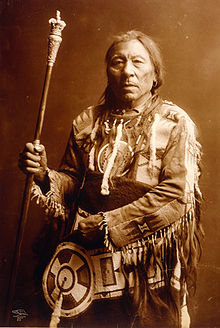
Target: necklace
{"type": "Point", "coordinates": [126, 145]}
{"type": "Point", "coordinates": [124, 136]}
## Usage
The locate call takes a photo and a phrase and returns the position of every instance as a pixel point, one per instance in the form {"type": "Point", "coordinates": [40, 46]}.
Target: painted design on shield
{"type": "Point", "coordinates": [69, 272]}
{"type": "Point", "coordinates": [81, 277]}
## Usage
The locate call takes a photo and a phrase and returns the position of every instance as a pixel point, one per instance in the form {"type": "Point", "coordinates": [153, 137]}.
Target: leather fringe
{"type": "Point", "coordinates": [48, 202]}
{"type": "Point", "coordinates": [160, 270]}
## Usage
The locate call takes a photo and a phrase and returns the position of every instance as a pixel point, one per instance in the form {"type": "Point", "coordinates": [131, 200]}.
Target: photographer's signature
{"type": "Point", "coordinates": [20, 314]}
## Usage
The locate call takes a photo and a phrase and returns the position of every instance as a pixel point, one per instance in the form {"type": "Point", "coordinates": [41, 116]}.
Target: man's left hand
{"type": "Point", "coordinates": [90, 224]}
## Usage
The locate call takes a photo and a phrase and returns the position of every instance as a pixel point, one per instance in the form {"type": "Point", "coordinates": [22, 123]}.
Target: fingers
{"type": "Point", "coordinates": [90, 224]}
{"type": "Point", "coordinates": [34, 149]}
{"type": "Point", "coordinates": [28, 166]}
{"type": "Point", "coordinates": [30, 156]}
{"type": "Point", "coordinates": [87, 224]}
{"type": "Point", "coordinates": [39, 148]}
{"type": "Point", "coordinates": [90, 229]}
{"type": "Point", "coordinates": [29, 169]}
{"type": "Point", "coordinates": [30, 160]}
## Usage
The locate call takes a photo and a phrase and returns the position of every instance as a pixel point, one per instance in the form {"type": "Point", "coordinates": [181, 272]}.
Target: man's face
{"type": "Point", "coordinates": [130, 72]}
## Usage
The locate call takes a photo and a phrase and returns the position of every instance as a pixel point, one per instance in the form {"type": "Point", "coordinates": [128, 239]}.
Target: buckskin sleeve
{"type": "Point", "coordinates": [64, 183]}
{"type": "Point", "coordinates": [162, 205]}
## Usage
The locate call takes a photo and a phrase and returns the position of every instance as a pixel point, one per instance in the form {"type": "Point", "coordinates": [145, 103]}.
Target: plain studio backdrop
{"type": "Point", "coordinates": [188, 33]}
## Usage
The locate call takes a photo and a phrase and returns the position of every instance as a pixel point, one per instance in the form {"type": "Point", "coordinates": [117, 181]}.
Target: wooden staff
{"type": "Point", "coordinates": [54, 41]}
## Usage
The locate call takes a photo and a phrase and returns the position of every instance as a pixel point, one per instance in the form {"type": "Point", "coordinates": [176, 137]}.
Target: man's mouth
{"type": "Point", "coordinates": [129, 85]}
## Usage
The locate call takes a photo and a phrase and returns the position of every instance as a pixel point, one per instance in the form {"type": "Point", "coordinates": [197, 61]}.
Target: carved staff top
{"type": "Point", "coordinates": [54, 39]}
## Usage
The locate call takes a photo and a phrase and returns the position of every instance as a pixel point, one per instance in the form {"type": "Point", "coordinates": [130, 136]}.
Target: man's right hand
{"type": "Point", "coordinates": [34, 160]}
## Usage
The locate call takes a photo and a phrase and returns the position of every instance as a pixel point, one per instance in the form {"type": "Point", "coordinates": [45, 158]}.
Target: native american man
{"type": "Point", "coordinates": [132, 162]}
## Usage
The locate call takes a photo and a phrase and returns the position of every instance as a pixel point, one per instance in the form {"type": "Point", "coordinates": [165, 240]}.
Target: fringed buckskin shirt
{"type": "Point", "coordinates": [141, 169]}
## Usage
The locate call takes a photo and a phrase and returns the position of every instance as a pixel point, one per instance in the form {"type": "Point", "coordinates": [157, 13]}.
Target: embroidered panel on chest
{"type": "Point", "coordinates": [145, 154]}
{"type": "Point", "coordinates": [124, 151]}
{"type": "Point", "coordinates": [162, 136]}
{"type": "Point", "coordinates": [123, 158]}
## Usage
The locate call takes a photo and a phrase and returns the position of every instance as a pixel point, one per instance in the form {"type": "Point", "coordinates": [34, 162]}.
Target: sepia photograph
{"type": "Point", "coordinates": [109, 168]}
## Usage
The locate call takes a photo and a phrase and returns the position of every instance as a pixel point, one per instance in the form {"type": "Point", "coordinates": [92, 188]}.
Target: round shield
{"type": "Point", "coordinates": [70, 273]}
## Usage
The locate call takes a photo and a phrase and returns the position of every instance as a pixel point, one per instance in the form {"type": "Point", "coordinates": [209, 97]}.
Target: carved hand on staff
{"type": "Point", "coordinates": [33, 159]}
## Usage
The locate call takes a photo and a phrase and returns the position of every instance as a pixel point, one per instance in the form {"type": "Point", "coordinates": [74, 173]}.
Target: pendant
{"type": "Point", "coordinates": [123, 160]}
{"type": "Point", "coordinates": [107, 127]}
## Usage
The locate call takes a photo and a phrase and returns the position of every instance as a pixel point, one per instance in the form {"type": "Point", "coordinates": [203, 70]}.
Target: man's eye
{"type": "Point", "coordinates": [117, 62]}
{"type": "Point", "coordinates": [138, 61]}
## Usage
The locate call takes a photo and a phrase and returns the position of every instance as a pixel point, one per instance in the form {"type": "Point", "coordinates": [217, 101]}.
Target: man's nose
{"type": "Point", "coordinates": [128, 68]}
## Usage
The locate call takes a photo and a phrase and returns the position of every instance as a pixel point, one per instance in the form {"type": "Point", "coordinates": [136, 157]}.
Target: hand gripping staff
{"type": "Point", "coordinates": [54, 41]}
